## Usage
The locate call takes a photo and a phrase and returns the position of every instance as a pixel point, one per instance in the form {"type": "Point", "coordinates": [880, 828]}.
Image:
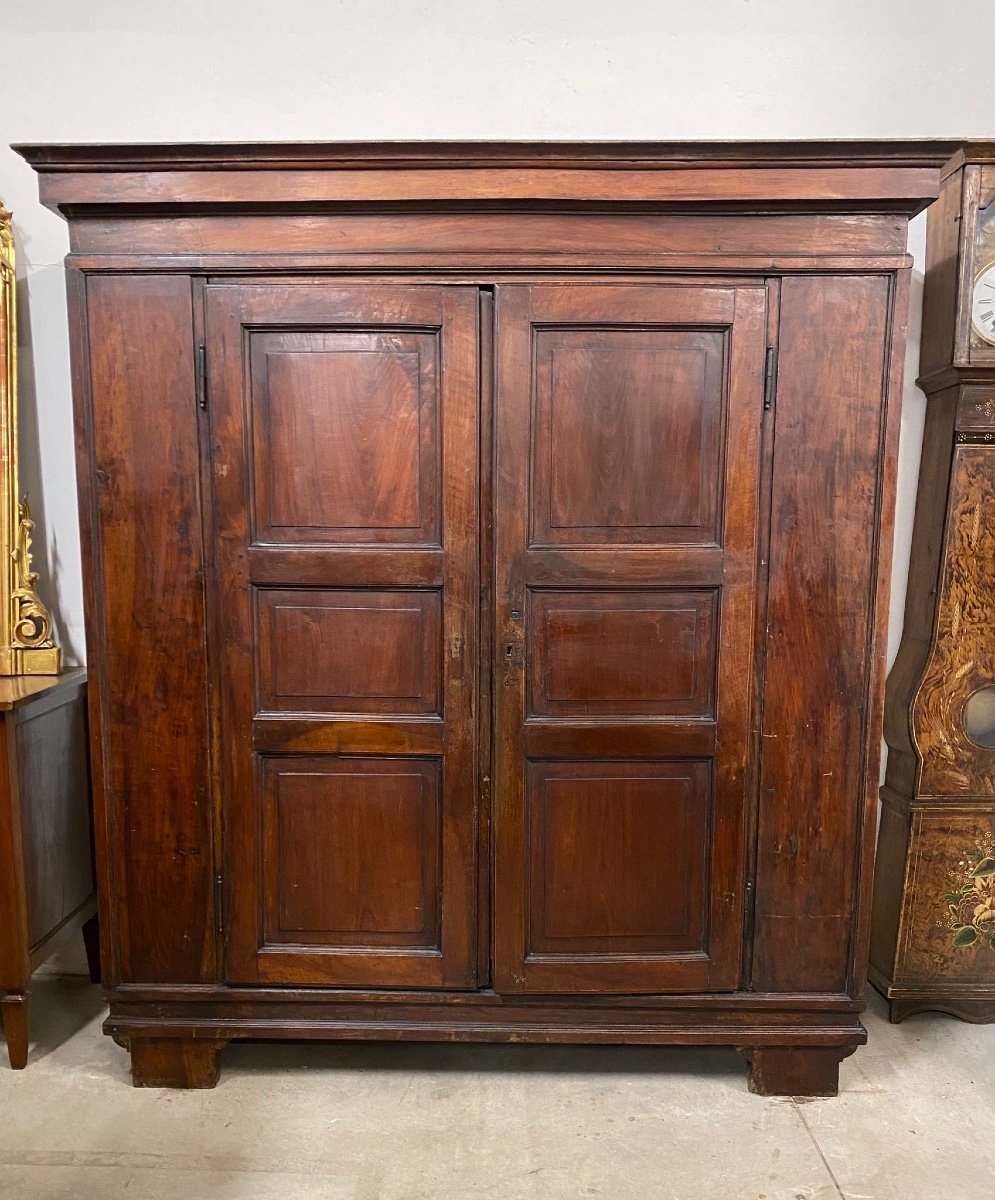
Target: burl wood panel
{"type": "Point", "coordinates": [345, 436]}
{"type": "Point", "coordinates": [349, 651]}
{"type": "Point", "coordinates": [145, 617]}
{"type": "Point", "coordinates": [360, 434]}
{"type": "Point", "coordinates": [615, 653]}
{"type": "Point", "coordinates": [962, 656]}
{"type": "Point", "coordinates": [946, 937]}
{"type": "Point", "coordinates": [616, 411]}
{"type": "Point", "coordinates": [617, 595]}
{"type": "Point", "coordinates": [352, 852]}
{"type": "Point", "coordinates": [832, 372]}
{"type": "Point", "coordinates": [617, 858]}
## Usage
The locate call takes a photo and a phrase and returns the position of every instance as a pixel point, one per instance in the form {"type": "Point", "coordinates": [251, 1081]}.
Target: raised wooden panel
{"type": "Point", "coordinates": [347, 613]}
{"type": "Point", "coordinates": [617, 858]}
{"type": "Point", "coordinates": [349, 651]}
{"type": "Point", "coordinates": [623, 652]}
{"type": "Point", "coordinates": [345, 435]}
{"type": "Point", "coordinates": [351, 851]}
{"type": "Point", "coordinates": [627, 483]}
{"type": "Point", "coordinates": [627, 435]}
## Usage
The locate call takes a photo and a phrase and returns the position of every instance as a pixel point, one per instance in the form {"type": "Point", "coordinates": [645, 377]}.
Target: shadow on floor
{"type": "Point", "coordinates": [260, 1058]}
{"type": "Point", "coordinates": [61, 1006]}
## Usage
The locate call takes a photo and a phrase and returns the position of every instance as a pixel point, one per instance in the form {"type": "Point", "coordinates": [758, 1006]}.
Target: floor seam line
{"type": "Point", "coordinates": [825, 1161]}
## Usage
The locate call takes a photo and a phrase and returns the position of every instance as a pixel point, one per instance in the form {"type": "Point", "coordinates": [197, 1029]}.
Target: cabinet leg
{"type": "Point", "coordinates": [795, 1070]}
{"type": "Point", "coordinates": [175, 1062]}
{"type": "Point", "coordinates": [16, 1009]}
{"type": "Point", "coordinates": [91, 942]}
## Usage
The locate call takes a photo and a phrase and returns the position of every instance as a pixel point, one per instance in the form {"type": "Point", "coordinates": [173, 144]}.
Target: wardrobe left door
{"type": "Point", "coordinates": [344, 440]}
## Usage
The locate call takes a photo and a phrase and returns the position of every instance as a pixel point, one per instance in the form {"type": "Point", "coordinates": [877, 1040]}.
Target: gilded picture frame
{"type": "Point", "coordinates": [26, 643]}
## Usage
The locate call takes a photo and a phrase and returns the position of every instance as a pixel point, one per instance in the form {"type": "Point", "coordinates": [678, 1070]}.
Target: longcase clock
{"type": "Point", "coordinates": [933, 943]}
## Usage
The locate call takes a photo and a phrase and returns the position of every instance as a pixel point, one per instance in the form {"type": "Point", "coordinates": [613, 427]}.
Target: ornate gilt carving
{"type": "Point", "coordinates": [962, 659]}
{"type": "Point", "coordinates": [26, 643]}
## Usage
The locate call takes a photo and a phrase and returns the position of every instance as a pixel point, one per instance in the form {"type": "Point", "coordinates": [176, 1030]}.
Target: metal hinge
{"type": "Point", "coordinates": [770, 377]}
{"type": "Point", "coordinates": [201, 375]}
{"type": "Point", "coordinates": [219, 902]}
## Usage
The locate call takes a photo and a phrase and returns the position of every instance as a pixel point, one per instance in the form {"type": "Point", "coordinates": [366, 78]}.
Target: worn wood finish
{"type": "Point", "coordinates": [790, 1071]}
{"type": "Point", "coordinates": [834, 346]}
{"type": "Point", "coordinates": [175, 1062]}
{"type": "Point", "coordinates": [861, 176]}
{"type": "Point", "coordinates": [46, 861]}
{"type": "Point", "coordinates": [145, 606]}
{"type": "Point", "coordinates": [933, 941]}
{"type": "Point", "coordinates": [493, 452]}
{"type": "Point", "coordinates": [594, 387]}
{"type": "Point", "coordinates": [345, 417]}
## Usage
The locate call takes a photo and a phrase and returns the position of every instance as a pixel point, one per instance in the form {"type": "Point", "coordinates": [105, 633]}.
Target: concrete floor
{"type": "Point", "coordinates": [915, 1120]}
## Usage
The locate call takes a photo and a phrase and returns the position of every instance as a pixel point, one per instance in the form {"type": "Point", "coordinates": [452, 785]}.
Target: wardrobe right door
{"type": "Point", "coordinates": [626, 493]}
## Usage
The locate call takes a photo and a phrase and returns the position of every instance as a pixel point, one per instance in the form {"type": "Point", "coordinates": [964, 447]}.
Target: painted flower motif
{"type": "Point", "coordinates": [972, 906]}
{"type": "Point", "coordinates": [984, 915]}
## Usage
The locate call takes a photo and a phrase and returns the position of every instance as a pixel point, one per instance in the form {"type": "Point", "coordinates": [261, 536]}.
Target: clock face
{"type": "Point", "coordinates": [983, 305]}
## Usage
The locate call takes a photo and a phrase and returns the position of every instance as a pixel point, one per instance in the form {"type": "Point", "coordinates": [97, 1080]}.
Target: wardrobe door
{"type": "Point", "coordinates": [627, 473]}
{"type": "Point", "coordinates": [344, 444]}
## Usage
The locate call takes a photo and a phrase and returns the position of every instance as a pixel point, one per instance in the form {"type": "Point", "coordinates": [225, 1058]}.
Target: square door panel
{"type": "Point", "coordinates": [345, 437]}
{"type": "Point", "coordinates": [628, 436]}
{"type": "Point", "coordinates": [348, 651]}
{"type": "Point", "coordinates": [616, 857]}
{"type": "Point", "coordinates": [622, 653]}
{"type": "Point", "coordinates": [351, 851]}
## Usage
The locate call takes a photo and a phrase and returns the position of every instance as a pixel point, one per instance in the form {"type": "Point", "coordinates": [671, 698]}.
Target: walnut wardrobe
{"type": "Point", "coordinates": [487, 569]}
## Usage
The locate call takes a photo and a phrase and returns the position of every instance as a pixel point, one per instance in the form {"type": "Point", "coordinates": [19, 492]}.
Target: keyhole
{"type": "Point", "coordinates": [509, 650]}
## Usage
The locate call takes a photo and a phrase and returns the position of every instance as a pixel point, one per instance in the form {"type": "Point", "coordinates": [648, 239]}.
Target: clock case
{"type": "Point", "coordinates": [933, 934]}
{"type": "Point", "coordinates": [960, 243]}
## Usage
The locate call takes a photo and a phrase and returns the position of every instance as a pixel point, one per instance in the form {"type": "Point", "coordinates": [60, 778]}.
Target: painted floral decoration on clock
{"type": "Point", "coordinates": [972, 905]}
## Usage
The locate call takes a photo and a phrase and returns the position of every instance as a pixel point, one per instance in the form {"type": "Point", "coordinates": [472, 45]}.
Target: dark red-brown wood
{"type": "Point", "coordinates": [145, 608]}
{"type": "Point", "coordinates": [487, 623]}
{"type": "Point", "coordinates": [346, 417]}
{"type": "Point", "coordinates": [832, 397]}
{"type": "Point", "coordinates": [624, 414]}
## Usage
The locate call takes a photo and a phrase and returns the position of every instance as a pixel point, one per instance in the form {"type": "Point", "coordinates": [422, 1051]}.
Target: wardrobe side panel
{"type": "Point", "coordinates": [139, 478]}
{"type": "Point", "coordinates": [826, 496]}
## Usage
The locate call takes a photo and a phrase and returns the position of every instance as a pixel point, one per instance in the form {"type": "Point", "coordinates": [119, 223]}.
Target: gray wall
{"type": "Point", "coordinates": [132, 70]}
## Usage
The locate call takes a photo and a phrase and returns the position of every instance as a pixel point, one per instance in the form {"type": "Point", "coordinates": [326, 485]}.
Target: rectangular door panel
{"type": "Point", "coordinates": [596, 899]}
{"type": "Point", "coordinates": [371, 395]}
{"type": "Point", "coordinates": [341, 650]}
{"type": "Point", "coordinates": [351, 850]}
{"type": "Point", "coordinates": [344, 439]}
{"type": "Point", "coordinates": [627, 477]}
{"type": "Point", "coordinates": [616, 653]}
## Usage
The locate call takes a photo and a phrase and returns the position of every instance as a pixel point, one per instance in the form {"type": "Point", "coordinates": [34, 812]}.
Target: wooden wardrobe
{"type": "Point", "coordinates": [487, 570]}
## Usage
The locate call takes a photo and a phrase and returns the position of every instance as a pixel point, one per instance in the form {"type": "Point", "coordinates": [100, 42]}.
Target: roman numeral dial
{"type": "Point", "coordinates": [983, 305]}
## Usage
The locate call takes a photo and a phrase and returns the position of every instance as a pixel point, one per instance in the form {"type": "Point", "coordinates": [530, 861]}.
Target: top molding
{"type": "Point", "coordinates": [969, 152]}
{"type": "Point", "coordinates": [892, 176]}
